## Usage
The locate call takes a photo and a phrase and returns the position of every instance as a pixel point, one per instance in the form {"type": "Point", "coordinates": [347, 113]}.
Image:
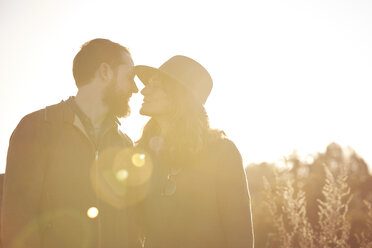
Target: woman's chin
{"type": "Point", "coordinates": [143, 111]}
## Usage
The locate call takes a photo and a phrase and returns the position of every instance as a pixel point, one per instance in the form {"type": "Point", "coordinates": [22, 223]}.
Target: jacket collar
{"type": "Point", "coordinates": [68, 114]}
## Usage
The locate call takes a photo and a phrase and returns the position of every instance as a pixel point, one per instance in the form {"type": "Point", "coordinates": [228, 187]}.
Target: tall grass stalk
{"type": "Point", "coordinates": [334, 228]}
{"type": "Point", "coordinates": [288, 209]}
{"type": "Point", "coordinates": [365, 238]}
{"type": "Point", "coordinates": [294, 229]}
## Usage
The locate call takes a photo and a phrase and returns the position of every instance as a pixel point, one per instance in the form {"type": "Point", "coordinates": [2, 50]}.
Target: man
{"type": "Point", "coordinates": [55, 194]}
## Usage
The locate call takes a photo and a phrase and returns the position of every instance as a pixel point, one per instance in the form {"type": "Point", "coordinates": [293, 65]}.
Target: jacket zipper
{"type": "Point", "coordinates": [97, 202]}
{"type": "Point", "coordinates": [96, 156]}
{"type": "Point", "coordinates": [97, 199]}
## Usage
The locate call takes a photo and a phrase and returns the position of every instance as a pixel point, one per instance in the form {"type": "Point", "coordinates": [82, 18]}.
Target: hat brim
{"type": "Point", "coordinates": [146, 73]}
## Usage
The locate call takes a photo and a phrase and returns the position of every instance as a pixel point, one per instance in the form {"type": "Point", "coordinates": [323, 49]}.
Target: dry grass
{"type": "Point", "coordinates": [287, 206]}
{"type": "Point", "coordinates": [365, 238]}
{"type": "Point", "coordinates": [289, 212]}
{"type": "Point", "coordinates": [334, 228]}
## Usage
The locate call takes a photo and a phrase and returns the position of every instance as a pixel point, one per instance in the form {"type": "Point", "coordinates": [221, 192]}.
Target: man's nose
{"type": "Point", "coordinates": [134, 88]}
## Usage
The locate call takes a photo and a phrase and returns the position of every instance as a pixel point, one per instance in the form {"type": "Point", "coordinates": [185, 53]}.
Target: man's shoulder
{"type": "Point", "coordinates": [43, 114]}
{"type": "Point", "coordinates": [36, 121]}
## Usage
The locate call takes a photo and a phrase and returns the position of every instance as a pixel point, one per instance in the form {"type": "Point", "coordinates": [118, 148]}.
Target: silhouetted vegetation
{"type": "Point", "coordinates": [324, 201]}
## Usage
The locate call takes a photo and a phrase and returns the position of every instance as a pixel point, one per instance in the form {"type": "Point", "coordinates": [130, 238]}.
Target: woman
{"type": "Point", "coordinates": [199, 195]}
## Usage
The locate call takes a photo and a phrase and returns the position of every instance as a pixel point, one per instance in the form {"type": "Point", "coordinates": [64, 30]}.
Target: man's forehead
{"type": "Point", "coordinates": [127, 59]}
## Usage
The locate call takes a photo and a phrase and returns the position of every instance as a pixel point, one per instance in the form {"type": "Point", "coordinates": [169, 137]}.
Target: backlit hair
{"type": "Point", "coordinates": [92, 54]}
{"type": "Point", "coordinates": [189, 131]}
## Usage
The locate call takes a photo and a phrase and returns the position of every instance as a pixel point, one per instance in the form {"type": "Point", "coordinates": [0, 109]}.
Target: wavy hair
{"type": "Point", "coordinates": [189, 131]}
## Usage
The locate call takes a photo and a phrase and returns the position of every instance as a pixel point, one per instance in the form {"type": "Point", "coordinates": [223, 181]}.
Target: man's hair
{"type": "Point", "coordinates": [92, 54]}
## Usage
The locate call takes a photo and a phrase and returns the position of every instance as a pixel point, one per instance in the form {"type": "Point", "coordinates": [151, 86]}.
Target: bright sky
{"type": "Point", "coordinates": [288, 74]}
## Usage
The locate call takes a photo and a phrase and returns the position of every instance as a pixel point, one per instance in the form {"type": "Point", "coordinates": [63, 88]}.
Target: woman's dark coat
{"type": "Point", "coordinates": [210, 207]}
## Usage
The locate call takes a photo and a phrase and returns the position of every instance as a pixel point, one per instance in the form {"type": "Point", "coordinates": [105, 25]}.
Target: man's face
{"type": "Point", "coordinates": [118, 92]}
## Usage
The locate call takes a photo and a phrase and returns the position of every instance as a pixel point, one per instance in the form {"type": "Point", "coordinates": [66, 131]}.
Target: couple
{"type": "Point", "coordinates": [56, 193]}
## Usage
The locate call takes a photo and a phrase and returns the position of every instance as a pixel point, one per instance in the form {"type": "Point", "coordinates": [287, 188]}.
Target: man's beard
{"type": "Point", "coordinates": [116, 100]}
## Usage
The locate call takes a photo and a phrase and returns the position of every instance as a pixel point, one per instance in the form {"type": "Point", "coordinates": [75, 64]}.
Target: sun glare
{"type": "Point", "coordinates": [138, 159]}
{"type": "Point", "coordinates": [122, 175]}
{"type": "Point", "coordinates": [92, 212]}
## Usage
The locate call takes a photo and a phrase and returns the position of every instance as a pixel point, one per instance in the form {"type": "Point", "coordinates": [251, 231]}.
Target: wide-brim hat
{"type": "Point", "coordinates": [183, 70]}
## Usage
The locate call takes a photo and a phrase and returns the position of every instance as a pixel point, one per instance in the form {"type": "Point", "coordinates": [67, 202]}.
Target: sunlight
{"type": "Point", "coordinates": [138, 159]}
{"type": "Point", "coordinates": [122, 175]}
{"type": "Point", "coordinates": [156, 143]}
{"type": "Point", "coordinates": [289, 78]}
{"type": "Point", "coordinates": [92, 212]}
{"type": "Point", "coordinates": [274, 90]}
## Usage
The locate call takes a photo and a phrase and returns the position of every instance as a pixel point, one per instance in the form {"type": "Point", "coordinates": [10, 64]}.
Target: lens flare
{"type": "Point", "coordinates": [138, 159]}
{"type": "Point", "coordinates": [156, 143]}
{"type": "Point", "coordinates": [57, 223]}
{"type": "Point", "coordinates": [122, 175]}
{"type": "Point", "coordinates": [92, 212]}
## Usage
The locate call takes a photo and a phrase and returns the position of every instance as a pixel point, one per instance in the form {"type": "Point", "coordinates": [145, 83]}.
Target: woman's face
{"type": "Point", "coordinates": [156, 102]}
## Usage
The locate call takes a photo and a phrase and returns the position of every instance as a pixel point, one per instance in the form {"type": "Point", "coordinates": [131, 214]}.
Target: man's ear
{"type": "Point", "coordinates": [105, 72]}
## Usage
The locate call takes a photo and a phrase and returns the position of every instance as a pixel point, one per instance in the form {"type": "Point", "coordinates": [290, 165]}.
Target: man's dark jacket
{"type": "Point", "coordinates": [52, 179]}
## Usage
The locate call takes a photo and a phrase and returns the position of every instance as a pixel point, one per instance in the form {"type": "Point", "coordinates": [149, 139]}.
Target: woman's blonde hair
{"type": "Point", "coordinates": [189, 131]}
